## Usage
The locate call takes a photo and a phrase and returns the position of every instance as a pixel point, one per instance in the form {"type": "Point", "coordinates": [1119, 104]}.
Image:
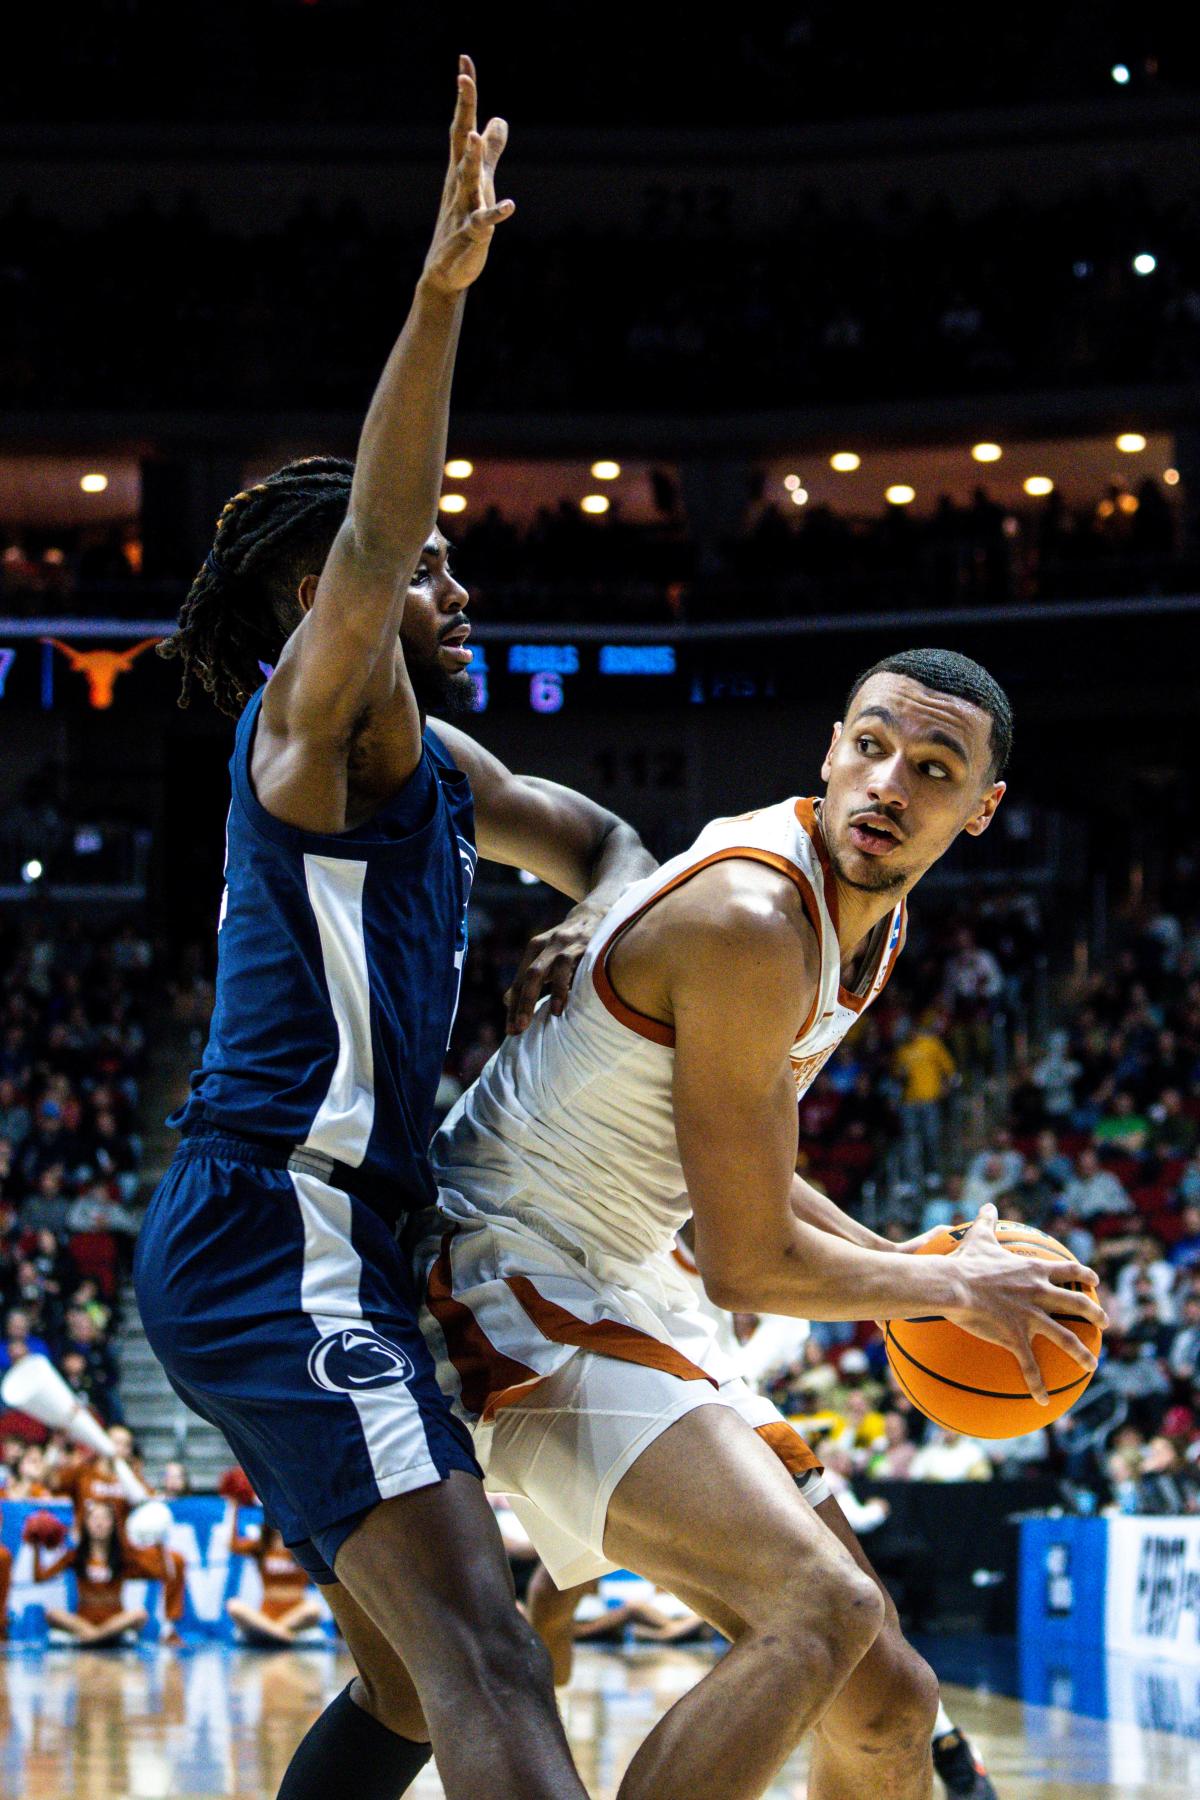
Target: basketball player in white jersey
{"type": "Point", "coordinates": [552, 1610]}
{"type": "Point", "coordinates": [568, 1341]}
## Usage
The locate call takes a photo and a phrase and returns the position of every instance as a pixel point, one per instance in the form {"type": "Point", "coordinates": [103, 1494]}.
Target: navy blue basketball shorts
{"type": "Point", "coordinates": [284, 1312]}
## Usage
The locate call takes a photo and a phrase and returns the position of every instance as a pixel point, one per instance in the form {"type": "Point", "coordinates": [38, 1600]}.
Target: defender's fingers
{"type": "Point", "coordinates": [558, 982]}
{"type": "Point", "coordinates": [495, 136]}
{"type": "Point", "coordinates": [488, 217]}
{"type": "Point", "coordinates": [463, 122]}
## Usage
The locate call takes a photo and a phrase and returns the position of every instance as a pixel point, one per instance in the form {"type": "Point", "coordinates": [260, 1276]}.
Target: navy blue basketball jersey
{"type": "Point", "coordinates": [338, 970]}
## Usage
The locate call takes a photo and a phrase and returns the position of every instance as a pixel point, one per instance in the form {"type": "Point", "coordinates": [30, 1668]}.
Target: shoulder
{"type": "Point", "coordinates": [740, 927]}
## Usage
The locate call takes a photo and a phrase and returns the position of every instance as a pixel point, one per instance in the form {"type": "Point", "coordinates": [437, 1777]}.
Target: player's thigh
{"type": "Point", "coordinates": [893, 1686]}
{"type": "Point", "coordinates": [707, 1509]}
{"type": "Point", "coordinates": [387, 1687]}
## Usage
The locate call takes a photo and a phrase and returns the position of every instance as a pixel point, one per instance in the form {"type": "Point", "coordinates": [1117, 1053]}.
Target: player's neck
{"type": "Point", "coordinates": [858, 913]}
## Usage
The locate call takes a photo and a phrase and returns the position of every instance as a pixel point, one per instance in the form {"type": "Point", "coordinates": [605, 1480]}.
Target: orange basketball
{"type": "Point", "coordinates": [966, 1384]}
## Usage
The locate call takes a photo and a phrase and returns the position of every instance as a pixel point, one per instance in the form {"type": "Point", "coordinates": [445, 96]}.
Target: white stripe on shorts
{"type": "Point", "coordinates": [390, 1417]}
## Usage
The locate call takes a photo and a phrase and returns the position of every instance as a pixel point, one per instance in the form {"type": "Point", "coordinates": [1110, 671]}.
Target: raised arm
{"type": "Point", "coordinates": [343, 657]}
{"type": "Point", "coordinates": [740, 976]}
{"type": "Point", "coordinates": [567, 840]}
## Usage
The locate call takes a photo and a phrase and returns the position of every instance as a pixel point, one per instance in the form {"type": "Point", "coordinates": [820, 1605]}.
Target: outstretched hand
{"type": "Point", "coordinates": [470, 211]}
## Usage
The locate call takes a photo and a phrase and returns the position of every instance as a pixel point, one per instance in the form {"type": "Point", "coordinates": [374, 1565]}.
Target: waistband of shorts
{"type": "Point", "coordinates": [367, 1185]}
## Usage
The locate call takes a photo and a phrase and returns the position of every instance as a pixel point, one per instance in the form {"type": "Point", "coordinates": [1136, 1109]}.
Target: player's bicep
{"type": "Point", "coordinates": [526, 822]}
{"type": "Point", "coordinates": [343, 655]}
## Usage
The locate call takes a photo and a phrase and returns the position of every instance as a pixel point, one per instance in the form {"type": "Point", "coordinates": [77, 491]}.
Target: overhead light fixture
{"type": "Point", "coordinates": [1127, 503]}
{"type": "Point", "coordinates": [845, 462]}
{"type": "Point", "coordinates": [792, 482]}
{"type": "Point", "coordinates": [1038, 485]}
{"type": "Point", "coordinates": [900, 494]}
{"type": "Point", "coordinates": [1131, 442]}
{"type": "Point", "coordinates": [94, 483]}
{"type": "Point", "coordinates": [986, 452]}
{"type": "Point", "coordinates": [1120, 74]}
{"type": "Point", "coordinates": [799, 496]}
{"type": "Point", "coordinates": [606, 471]}
{"type": "Point", "coordinates": [595, 504]}
{"type": "Point", "coordinates": [1144, 263]}
{"type": "Point", "coordinates": [459, 469]}
{"type": "Point", "coordinates": [452, 503]}
{"type": "Point", "coordinates": [1171, 477]}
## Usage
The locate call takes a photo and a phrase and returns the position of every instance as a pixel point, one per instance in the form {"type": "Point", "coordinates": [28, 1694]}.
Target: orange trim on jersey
{"type": "Point", "coordinates": [807, 815]}
{"type": "Point", "coordinates": [680, 1255]}
{"type": "Point", "coordinates": [486, 1375]}
{"type": "Point", "coordinates": [797, 1457]}
{"type": "Point", "coordinates": [606, 1337]}
{"type": "Point", "coordinates": [655, 1029]}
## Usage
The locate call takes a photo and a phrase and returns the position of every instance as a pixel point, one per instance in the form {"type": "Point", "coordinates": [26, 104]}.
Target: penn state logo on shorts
{"type": "Point", "coordinates": [357, 1360]}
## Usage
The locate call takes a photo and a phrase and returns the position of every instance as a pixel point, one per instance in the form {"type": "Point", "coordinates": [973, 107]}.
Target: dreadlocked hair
{"type": "Point", "coordinates": [240, 609]}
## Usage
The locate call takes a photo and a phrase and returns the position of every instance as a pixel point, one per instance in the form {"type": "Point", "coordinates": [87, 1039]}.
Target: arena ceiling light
{"type": "Point", "coordinates": [1120, 74]}
{"type": "Point", "coordinates": [606, 470]}
{"type": "Point", "coordinates": [1171, 477]}
{"type": "Point", "coordinates": [95, 483]}
{"type": "Point", "coordinates": [900, 494]}
{"type": "Point", "coordinates": [453, 503]}
{"type": "Point", "coordinates": [986, 452]}
{"type": "Point", "coordinates": [595, 504]}
{"type": "Point", "coordinates": [459, 469]}
{"type": "Point", "coordinates": [1131, 442]}
{"type": "Point", "coordinates": [799, 496]}
{"type": "Point", "coordinates": [792, 482]}
{"type": "Point", "coordinates": [1037, 485]}
{"type": "Point", "coordinates": [1144, 263]}
{"type": "Point", "coordinates": [845, 462]}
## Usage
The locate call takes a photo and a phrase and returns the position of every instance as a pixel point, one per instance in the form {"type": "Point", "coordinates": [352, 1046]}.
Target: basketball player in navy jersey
{"type": "Point", "coordinates": [268, 1275]}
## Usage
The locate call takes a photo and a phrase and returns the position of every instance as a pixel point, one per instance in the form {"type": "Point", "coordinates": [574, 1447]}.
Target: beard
{"type": "Point", "coordinates": [447, 692]}
{"type": "Point", "coordinates": [886, 880]}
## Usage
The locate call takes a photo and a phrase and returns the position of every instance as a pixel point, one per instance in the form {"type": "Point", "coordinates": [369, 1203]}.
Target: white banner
{"type": "Point", "coordinates": [1153, 1601]}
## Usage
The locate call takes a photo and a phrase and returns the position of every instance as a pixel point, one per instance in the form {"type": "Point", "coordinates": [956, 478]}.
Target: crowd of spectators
{"type": "Point", "coordinates": [568, 567]}
{"type": "Point", "coordinates": [72, 1051]}
{"type": "Point", "coordinates": [840, 303]}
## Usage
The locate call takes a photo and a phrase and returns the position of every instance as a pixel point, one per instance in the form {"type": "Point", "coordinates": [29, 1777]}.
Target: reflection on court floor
{"type": "Point", "coordinates": [218, 1722]}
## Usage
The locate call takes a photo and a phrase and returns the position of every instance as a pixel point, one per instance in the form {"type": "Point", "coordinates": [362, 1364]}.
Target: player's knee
{"type": "Point", "coordinates": [896, 1701]}
{"type": "Point", "coordinates": [391, 1700]}
{"type": "Point", "coordinates": [836, 1613]}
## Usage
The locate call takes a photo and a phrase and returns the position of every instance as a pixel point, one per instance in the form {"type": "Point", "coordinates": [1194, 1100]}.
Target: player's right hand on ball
{"type": "Point", "coordinates": [470, 212]}
{"type": "Point", "coordinates": [1010, 1300]}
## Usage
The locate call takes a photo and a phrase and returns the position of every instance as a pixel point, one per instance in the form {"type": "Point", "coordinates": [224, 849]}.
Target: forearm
{"type": "Point", "coordinates": [619, 858]}
{"type": "Point", "coordinates": [402, 449]}
{"type": "Point", "coordinates": [818, 1275]}
{"type": "Point", "coordinates": [813, 1208]}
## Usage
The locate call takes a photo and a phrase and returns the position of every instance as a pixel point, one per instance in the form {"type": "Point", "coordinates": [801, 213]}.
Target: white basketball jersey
{"type": "Point", "coordinates": [570, 1127]}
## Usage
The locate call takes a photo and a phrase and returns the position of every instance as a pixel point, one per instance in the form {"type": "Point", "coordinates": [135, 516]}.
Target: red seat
{"type": "Point", "coordinates": [95, 1254]}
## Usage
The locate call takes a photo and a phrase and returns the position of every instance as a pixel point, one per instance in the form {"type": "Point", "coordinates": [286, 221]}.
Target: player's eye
{"type": "Point", "coordinates": [866, 744]}
{"type": "Point", "coordinates": [420, 574]}
{"type": "Point", "coordinates": [937, 771]}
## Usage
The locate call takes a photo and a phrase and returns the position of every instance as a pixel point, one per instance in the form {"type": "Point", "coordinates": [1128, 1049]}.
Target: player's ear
{"type": "Point", "coordinates": [826, 766]}
{"type": "Point", "coordinates": [982, 817]}
{"type": "Point", "coordinates": [306, 593]}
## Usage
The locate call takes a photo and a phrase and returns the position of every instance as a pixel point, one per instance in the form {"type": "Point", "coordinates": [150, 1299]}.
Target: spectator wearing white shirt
{"type": "Point", "coordinates": [1149, 1263]}
{"type": "Point", "coordinates": [1095, 1192]}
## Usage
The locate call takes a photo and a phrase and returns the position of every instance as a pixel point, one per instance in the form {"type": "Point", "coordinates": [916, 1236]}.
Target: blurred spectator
{"type": "Point", "coordinates": [948, 1456]}
{"type": "Point", "coordinates": [927, 1071]}
{"type": "Point", "coordinates": [1095, 1192]}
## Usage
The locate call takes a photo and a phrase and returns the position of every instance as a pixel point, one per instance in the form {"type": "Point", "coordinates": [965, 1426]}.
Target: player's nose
{"type": "Point", "coordinates": [454, 596]}
{"type": "Point", "coordinates": [889, 783]}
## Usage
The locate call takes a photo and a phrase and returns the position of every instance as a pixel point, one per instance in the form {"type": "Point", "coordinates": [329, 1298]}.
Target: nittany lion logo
{"type": "Point", "coordinates": [358, 1360]}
